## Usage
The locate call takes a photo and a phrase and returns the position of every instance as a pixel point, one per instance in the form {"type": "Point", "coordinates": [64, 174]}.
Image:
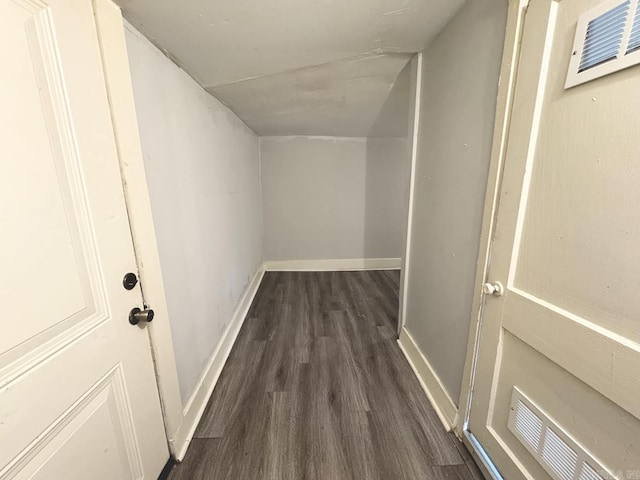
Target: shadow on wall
{"type": "Point", "coordinates": [388, 162]}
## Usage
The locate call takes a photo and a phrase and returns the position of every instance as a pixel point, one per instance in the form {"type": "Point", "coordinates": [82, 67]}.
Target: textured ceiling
{"type": "Point", "coordinates": [292, 67]}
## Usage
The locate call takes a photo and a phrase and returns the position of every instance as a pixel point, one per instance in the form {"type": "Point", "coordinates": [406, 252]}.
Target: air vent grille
{"type": "Point", "coordinates": [561, 456]}
{"type": "Point", "coordinates": [607, 40]}
{"type": "Point", "coordinates": [604, 36]}
{"type": "Point", "coordinates": [634, 38]}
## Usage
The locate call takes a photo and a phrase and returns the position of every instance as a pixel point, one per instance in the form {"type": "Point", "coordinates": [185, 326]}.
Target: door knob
{"type": "Point", "coordinates": [136, 315]}
{"type": "Point", "coordinates": [496, 289]}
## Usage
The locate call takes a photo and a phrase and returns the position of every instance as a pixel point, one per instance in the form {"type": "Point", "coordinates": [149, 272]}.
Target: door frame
{"type": "Point", "coordinates": [504, 103]}
{"type": "Point", "coordinates": [110, 28]}
{"type": "Point", "coordinates": [115, 65]}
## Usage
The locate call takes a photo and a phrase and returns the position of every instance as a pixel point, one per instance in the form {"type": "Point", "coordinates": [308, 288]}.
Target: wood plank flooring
{"type": "Point", "coordinates": [316, 388]}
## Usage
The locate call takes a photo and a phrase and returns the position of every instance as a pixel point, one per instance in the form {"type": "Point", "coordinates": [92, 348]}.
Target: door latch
{"type": "Point", "coordinates": [136, 315]}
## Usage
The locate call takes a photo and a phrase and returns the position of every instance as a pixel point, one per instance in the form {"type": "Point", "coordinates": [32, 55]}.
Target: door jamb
{"type": "Point", "coordinates": [506, 88]}
{"type": "Point", "coordinates": [115, 66]}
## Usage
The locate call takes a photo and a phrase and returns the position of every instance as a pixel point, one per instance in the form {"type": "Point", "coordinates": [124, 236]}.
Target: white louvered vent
{"type": "Point", "coordinates": [634, 39]}
{"type": "Point", "coordinates": [604, 37]}
{"type": "Point", "coordinates": [588, 473]}
{"type": "Point", "coordinates": [607, 40]}
{"type": "Point", "coordinates": [560, 455]}
{"type": "Point", "coordinates": [528, 425]}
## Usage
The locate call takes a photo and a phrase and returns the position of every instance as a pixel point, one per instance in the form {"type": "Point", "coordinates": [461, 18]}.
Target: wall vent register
{"type": "Point", "coordinates": [607, 40]}
{"type": "Point", "coordinates": [560, 455]}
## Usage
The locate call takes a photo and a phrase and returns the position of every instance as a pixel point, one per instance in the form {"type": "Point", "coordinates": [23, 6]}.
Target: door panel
{"type": "Point", "coordinates": [566, 330]}
{"type": "Point", "coordinates": [50, 238]}
{"type": "Point", "coordinates": [96, 427]}
{"type": "Point", "coordinates": [567, 400]}
{"type": "Point", "coordinates": [606, 361]}
{"type": "Point", "coordinates": [77, 388]}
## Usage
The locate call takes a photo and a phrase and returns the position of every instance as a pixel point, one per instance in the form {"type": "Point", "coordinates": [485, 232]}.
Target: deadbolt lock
{"type": "Point", "coordinates": [129, 281]}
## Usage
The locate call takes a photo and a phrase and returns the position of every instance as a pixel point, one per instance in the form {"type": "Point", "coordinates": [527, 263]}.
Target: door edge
{"type": "Point", "coordinates": [504, 103]}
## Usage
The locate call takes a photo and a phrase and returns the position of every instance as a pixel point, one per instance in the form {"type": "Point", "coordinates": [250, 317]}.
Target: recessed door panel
{"type": "Point", "coordinates": [583, 186]}
{"type": "Point", "coordinates": [43, 251]}
{"type": "Point", "coordinates": [92, 439]}
{"type": "Point", "coordinates": [77, 387]}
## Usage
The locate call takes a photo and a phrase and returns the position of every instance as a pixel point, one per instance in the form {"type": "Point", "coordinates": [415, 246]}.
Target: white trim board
{"type": "Point", "coordinates": [342, 264]}
{"type": "Point", "coordinates": [404, 291]}
{"type": "Point", "coordinates": [429, 380]}
{"type": "Point", "coordinates": [196, 404]}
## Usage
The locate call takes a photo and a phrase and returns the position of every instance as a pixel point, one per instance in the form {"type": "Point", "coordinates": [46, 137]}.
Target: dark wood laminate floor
{"type": "Point", "coordinates": [316, 388]}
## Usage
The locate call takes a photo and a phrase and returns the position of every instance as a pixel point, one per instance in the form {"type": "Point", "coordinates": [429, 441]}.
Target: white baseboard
{"type": "Point", "coordinates": [196, 404]}
{"type": "Point", "coordinates": [342, 264]}
{"type": "Point", "coordinates": [431, 383]}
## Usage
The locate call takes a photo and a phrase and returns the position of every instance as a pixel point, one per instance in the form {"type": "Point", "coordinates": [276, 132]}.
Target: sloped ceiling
{"type": "Point", "coordinates": [294, 67]}
{"type": "Point", "coordinates": [331, 99]}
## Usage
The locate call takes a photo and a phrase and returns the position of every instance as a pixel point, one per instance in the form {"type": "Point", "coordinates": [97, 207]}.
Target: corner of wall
{"type": "Point", "coordinates": [262, 250]}
{"type": "Point", "coordinates": [197, 403]}
{"type": "Point", "coordinates": [414, 128]}
{"type": "Point", "coordinates": [431, 384]}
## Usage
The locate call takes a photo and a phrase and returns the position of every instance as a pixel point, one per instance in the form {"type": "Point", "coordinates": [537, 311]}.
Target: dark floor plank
{"type": "Point", "coordinates": [451, 472]}
{"type": "Point", "coordinates": [236, 383]}
{"type": "Point", "coordinates": [359, 449]}
{"type": "Point", "coordinates": [317, 388]}
{"type": "Point", "coordinates": [476, 474]}
{"type": "Point", "coordinates": [200, 462]}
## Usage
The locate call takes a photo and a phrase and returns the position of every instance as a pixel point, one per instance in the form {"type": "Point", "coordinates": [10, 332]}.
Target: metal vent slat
{"type": "Point", "coordinates": [613, 33]}
{"type": "Point", "coordinates": [529, 426]}
{"type": "Point", "coordinates": [602, 51]}
{"type": "Point", "coordinates": [603, 27]}
{"type": "Point", "coordinates": [559, 456]}
{"type": "Point", "coordinates": [596, 41]}
{"type": "Point", "coordinates": [634, 39]}
{"type": "Point", "coordinates": [604, 36]}
{"type": "Point", "coordinates": [588, 473]}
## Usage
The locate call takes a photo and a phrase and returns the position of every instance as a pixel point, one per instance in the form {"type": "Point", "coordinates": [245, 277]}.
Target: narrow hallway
{"type": "Point", "coordinates": [316, 387]}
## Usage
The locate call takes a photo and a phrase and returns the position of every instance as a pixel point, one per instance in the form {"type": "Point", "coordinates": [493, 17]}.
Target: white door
{"type": "Point", "coordinates": [557, 383]}
{"type": "Point", "coordinates": [78, 399]}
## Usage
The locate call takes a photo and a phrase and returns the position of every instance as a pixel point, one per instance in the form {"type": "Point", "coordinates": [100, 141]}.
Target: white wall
{"type": "Point", "coordinates": [313, 197]}
{"type": "Point", "coordinates": [203, 173]}
{"type": "Point", "coordinates": [331, 198]}
{"type": "Point", "coordinates": [386, 190]}
{"type": "Point", "coordinates": [388, 170]}
{"type": "Point", "coordinates": [457, 110]}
